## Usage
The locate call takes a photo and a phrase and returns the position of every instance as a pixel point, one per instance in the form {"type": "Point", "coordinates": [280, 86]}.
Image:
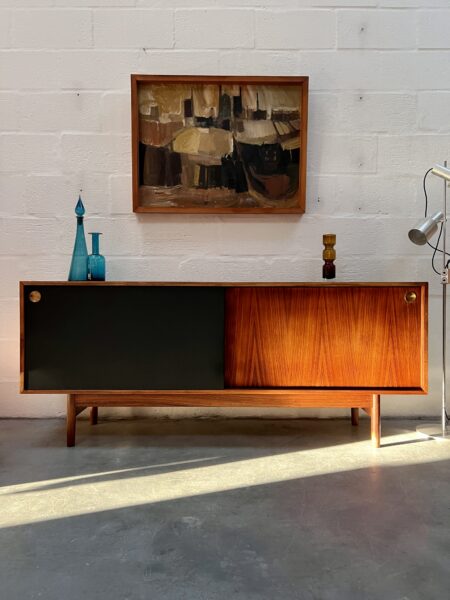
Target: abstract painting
{"type": "Point", "coordinates": [219, 144]}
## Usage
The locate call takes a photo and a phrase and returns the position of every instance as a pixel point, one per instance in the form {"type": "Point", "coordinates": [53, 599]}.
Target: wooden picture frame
{"type": "Point", "coordinates": [219, 144]}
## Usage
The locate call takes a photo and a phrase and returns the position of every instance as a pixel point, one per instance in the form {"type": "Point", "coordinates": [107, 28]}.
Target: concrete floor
{"type": "Point", "coordinates": [213, 510]}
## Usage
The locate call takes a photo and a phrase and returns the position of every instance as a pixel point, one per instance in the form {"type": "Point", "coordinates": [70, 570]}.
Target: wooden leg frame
{"type": "Point", "coordinates": [370, 403]}
{"type": "Point", "coordinates": [355, 417]}
{"type": "Point", "coordinates": [375, 420]}
{"type": "Point", "coordinates": [73, 410]}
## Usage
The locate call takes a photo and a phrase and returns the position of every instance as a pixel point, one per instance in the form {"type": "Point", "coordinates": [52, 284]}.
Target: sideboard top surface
{"type": "Point", "coordinates": [234, 283]}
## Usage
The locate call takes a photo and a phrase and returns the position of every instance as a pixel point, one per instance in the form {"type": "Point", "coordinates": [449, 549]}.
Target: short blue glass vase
{"type": "Point", "coordinates": [96, 262]}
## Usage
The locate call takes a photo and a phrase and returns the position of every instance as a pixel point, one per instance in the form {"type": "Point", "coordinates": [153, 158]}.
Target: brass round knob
{"type": "Point", "coordinates": [34, 296]}
{"type": "Point", "coordinates": [410, 297]}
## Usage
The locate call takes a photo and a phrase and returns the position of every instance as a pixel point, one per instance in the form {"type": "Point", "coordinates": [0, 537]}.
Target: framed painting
{"type": "Point", "coordinates": [219, 144]}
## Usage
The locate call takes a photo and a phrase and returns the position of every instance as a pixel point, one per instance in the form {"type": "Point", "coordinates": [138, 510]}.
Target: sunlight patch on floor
{"type": "Point", "coordinates": [72, 496]}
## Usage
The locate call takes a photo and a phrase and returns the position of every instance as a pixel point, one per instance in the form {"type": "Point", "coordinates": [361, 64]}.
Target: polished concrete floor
{"type": "Point", "coordinates": [214, 510]}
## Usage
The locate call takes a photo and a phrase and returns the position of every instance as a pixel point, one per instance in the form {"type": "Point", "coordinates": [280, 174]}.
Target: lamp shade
{"type": "Point", "coordinates": [424, 231]}
{"type": "Point", "coordinates": [441, 171]}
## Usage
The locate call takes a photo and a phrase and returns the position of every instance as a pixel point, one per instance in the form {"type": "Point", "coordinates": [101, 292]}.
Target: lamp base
{"type": "Point", "coordinates": [435, 431]}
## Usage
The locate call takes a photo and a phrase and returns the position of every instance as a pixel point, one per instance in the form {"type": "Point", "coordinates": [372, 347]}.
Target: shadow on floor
{"type": "Point", "coordinates": [373, 533]}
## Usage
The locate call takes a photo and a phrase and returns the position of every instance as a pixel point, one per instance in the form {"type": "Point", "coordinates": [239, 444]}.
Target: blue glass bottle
{"type": "Point", "coordinates": [78, 266]}
{"type": "Point", "coordinates": [96, 262]}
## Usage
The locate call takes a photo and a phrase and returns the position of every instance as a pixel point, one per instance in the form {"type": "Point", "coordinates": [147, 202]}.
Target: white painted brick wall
{"type": "Point", "coordinates": [25, 70]}
{"type": "Point", "coordinates": [433, 111]}
{"type": "Point", "coordinates": [379, 117]}
{"type": "Point", "coordinates": [214, 28]}
{"type": "Point", "coordinates": [29, 152]}
{"type": "Point", "coordinates": [286, 29]}
{"type": "Point", "coordinates": [383, 29]}
{"type": "Point", "coordinates": [433, 28]}
{"type": "Point", "coordinates": [51, 28]}
{"type": "Point", "coordinates": [115, 112]}
{"type": "Point", "coordinates": [343, 154]}
{"type": "Point", "coordinates": [9, 111]}
{"type": "Point", "coordinates": [133, 28]}
{"type": "Point", "coordinates": [96, 69]}
{"type": "Point", "coordinates": [5, 28]}
{"type": "Point", "coordinates": [97, 152]}
{"type": "Point", "coordinates": [59, 111]}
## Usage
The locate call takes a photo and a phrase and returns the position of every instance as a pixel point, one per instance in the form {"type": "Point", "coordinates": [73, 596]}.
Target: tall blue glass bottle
{"type": "Point", "coordinates": [96, 262]}
{"type": "Point", "coordinates": [79, 265]}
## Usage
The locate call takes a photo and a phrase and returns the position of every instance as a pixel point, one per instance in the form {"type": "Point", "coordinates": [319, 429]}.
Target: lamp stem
{"type": "Point", "coordinates": [444, 314]}
{"type": "Point", "coordinates": [441, 432]}
{"type": "Point", "coordinates": [444, 375]}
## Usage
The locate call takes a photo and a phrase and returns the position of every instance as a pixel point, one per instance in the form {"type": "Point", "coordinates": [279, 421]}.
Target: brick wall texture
{"type": "Point", "coordinates": [379, 117]}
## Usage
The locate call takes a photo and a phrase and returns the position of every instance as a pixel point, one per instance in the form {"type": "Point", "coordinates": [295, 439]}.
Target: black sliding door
{"type": "Point", "coordinates": [124, 338]}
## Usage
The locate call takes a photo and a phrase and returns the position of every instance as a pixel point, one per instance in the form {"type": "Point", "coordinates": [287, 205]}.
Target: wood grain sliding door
{"type": "Point", "coordinates": [339, 337]}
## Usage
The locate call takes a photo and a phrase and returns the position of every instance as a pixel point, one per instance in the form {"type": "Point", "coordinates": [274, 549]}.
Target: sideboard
{"type": "Point", "coordinates": [223, 344]}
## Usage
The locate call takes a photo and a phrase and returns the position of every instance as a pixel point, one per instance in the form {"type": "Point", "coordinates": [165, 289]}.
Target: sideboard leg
{"type": "Point", "coordinates": [71, 420]}
{"type": "Point", "coordinates": [94, 415]}
{"type": "Point", "coordinates": [355, 417]}
{"type": "Point", "coordinates": [375, 421]}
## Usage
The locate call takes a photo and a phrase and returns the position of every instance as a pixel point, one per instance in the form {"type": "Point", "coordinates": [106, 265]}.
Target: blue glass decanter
{"type": "Point", "coordinates": [78, 266]}
{"type": "Point", "coordinates": [96, 262]}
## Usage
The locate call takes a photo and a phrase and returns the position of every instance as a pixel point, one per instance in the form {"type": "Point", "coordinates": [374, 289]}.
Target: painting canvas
{"type": "Point", "coordinates": [211, 144]}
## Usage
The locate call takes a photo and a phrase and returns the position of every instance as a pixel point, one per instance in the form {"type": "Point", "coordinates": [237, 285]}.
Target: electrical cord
{"type": "Point", "coordinates": [435, 248]}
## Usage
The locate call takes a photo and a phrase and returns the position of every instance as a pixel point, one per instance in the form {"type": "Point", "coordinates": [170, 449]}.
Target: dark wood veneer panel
{"type": "Point", "coordinates": [123, 338]}
{"type": "Point", "coordinates": [321, 337]}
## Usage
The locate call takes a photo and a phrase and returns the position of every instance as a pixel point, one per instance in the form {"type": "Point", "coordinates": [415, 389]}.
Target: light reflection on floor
{"type": "Point", "coordinates": [40, 500]}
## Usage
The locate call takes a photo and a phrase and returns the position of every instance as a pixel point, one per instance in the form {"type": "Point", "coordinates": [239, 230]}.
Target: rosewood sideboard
{"type": "Point", "coordinates": [224, 344]}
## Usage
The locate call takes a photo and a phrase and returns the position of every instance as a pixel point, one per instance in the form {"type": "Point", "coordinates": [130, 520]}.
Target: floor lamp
{"type": "Point", "coordinates": [421, 234]}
